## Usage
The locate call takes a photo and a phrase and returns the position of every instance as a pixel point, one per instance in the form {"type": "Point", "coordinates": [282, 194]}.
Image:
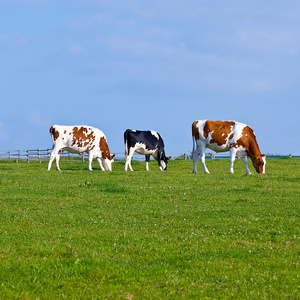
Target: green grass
{"type": "Point", "coordinates": [149, 235]}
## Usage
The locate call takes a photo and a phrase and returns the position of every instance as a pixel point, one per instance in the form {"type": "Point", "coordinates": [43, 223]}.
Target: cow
{"type": "Point", "coordinates": [145, 143]}
{"type": "Point", "coordinates": [79, 139]}
{"type": "Point", "coordinates": [222, 136]}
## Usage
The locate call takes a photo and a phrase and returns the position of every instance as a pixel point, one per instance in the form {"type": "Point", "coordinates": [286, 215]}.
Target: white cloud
{"type": "Point", "coordinates": [34, 117]}
{"type": "Point", "coordinates": [76, 49]}
{"type": "Point", "coordinates": [24, 2]}
{"type": "Point", "coordinates": [267, 37]}
{"type": "Point", "coordinates": [12, 41]}
{"type": "Point", "coordinates": [261, 85]}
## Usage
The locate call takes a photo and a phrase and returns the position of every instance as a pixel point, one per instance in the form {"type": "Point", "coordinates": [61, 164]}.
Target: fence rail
{"type": "Point", "coordinates": [25, 154]}
{"type": "Point", "coordinates": [39, 154]}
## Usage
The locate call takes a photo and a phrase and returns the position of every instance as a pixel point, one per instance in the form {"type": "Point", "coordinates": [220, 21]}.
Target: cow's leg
{"type": "Point", "coordinates": [232, 159]}
{"type": "Point", "coordinates": [244, 158]}
{"type": "Point", "coordinates": [159, 159]}
{"type": "Point", "coordinates": [91, 156]}
{"type": "Point", "coordinates": [195, 159]}
{"type": "Point", "coordinates": [100, 163]}
{"type": "Point", "coordinates": [128, 160]}
{"type": "Point", "coordinates": [199, 150]}
{"type": "Point", "coordinates": [54, 154]}
{"type": "Point", "coordinates": [147, 162]}
{"type": "Point", "coordinates": [57, 157]}
{"type": "Point", "coordinates": [202, 159]}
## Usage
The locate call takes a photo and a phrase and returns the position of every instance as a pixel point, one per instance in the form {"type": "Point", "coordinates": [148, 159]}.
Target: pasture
{"type": "Point", "coordinates": [149, 235]}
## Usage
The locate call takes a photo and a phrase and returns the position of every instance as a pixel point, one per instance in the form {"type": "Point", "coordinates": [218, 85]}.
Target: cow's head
{"type": "Point", "coordinates": [107, 162]}
{"type": "Point", "coordinates": [163, 161]}
{"type": "Point", "coordinates": [259, 163]}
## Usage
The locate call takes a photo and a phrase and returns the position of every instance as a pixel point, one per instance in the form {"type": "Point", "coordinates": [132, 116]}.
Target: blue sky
{"type": "Point", "coordinates": [155, 65]}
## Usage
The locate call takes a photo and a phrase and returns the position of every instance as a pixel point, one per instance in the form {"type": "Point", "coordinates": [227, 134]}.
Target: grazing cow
{"type": "Point", "coordinates": [222, 136]}
{"type": "Point", "coordinates": [79, 139]}
{"type": "Point", "coordinates": [146, 143]}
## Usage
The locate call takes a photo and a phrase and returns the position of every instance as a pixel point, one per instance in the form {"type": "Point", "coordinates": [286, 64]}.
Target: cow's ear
{"type": "Point", "coordinates": [169, 157]}
{"type": "Point", "coordinates": [112, 156]}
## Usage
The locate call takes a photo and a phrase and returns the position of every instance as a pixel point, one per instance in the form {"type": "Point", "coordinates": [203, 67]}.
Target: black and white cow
{"type": "Point", "coordinates": [145, 143]}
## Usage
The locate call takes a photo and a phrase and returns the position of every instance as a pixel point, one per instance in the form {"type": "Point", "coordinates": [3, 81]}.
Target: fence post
{"type": "Point", "coordinates": [38, 153]}
{"type": "Point", "coordinates": [19, 154]}
{"type": "Point", "coordinates": [9, 154]}
{"type": "Point", "coordinates": [28, 155]}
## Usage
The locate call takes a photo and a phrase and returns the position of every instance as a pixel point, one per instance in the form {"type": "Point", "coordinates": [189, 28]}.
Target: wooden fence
{"type": "Point", "coordinates": [38, 154]}
{"type": "Point", "coordinates": [25, 154]}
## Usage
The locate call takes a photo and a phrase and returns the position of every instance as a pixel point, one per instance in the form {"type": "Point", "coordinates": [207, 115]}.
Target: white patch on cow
{"type": "Point", "coordinates": [155, 134]}
{"type": "Point", "coordinates": [241, 152]}
{"type": "Point", "coordinates": [265, 162]}
{"type": "Point", "coordinates": [133, 130]}
{"type": "Point", "coordinates": [217, 148]}
{"type": "Point", "coordinates": [107, 164]}
{"type": "Point", "coordinates": [163, 165]}
{"type": "Point", "coordinates": [74, 150]}
{"type": "Point", "coordinates": [140, 148]}
{"type": "Point", "coordinates": [237, 130]}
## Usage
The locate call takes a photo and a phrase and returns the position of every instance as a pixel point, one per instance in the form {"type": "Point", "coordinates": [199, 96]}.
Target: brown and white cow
{"type": "Point", "coordinates": [222, 136]}
{"type": "Point", "coordinates": [79, 139]}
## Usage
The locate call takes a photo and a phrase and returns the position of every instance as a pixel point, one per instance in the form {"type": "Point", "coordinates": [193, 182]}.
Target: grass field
{"type": "Point", "coordinates": [149, 235]}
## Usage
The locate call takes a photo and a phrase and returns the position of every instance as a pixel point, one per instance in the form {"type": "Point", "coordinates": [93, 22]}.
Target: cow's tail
{"type": "Point", "coordinates": [194, 139]}
{"type": "Point", "coordinates": [52, 133]}
{"type": "Point", "coordinates": [125, 142]}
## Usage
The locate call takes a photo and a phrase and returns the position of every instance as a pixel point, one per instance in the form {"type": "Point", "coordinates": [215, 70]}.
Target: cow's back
{"type": "Point", "coordinates": [215, 135]}
{"type": "Point", "coordinates": [150, 138]}
{"type": "Point", "coordinates": [220, 136]}
{"type": "Point", "coordinates": [77, 137]}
